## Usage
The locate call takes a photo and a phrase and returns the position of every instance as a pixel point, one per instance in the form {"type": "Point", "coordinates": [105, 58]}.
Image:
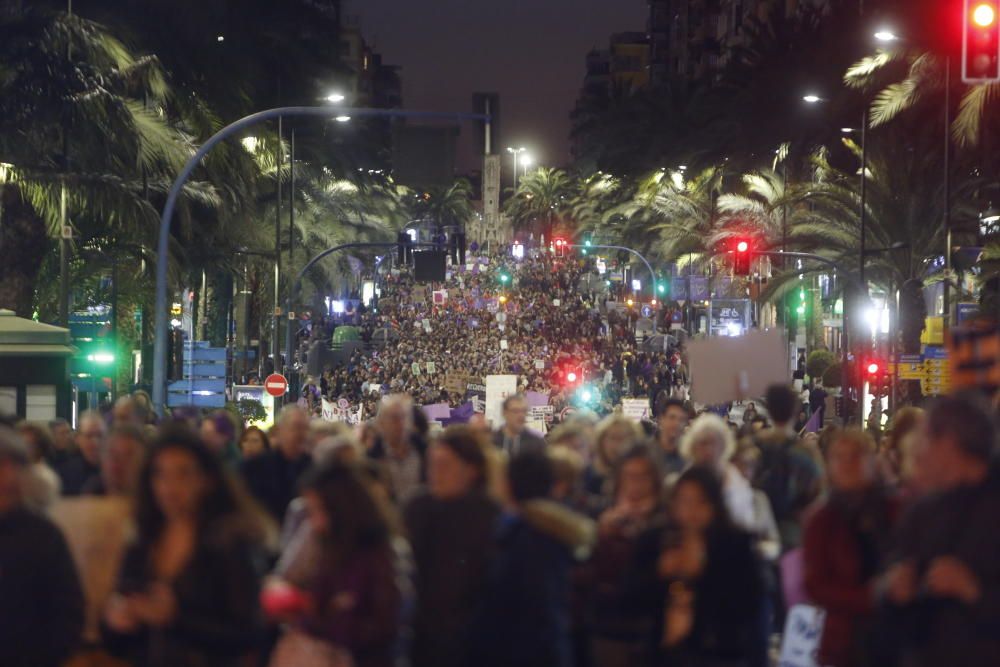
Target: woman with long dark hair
{"type": "Point", "coordinates": [353, 598]}
{"type": "Point", "coordinates": [188, 587]}
{"type": "Point", "coordinates": [715, 594]}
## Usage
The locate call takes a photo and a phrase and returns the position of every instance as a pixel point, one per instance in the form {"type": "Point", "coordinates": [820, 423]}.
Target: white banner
{"type": "Point", "coordinates": [636, 409]}
{"type": "Point", "coordinates": [334, 413]}
{"type": "Point", "coordinates": [498, 387]}
{"type": "Point", "coordinates": [803, 630]}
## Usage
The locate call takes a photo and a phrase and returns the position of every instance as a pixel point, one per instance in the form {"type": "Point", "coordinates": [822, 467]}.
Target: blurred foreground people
{"type": "Point", "coordinates": [187, 592]}
{"type": "Point", "coordinates": [670, 423]}
{"type": "Point", "coordinates": [451, 531]}
{"type": "Point", "coordinates": [715, 593]}
{"type": "Point", "coordinates": [41, 603]}
{"type": "Point", "coordinates": [42, 485]}
{"type": "Point", "coordinates": [514, 437]}
{"type": "Point", "coordinates": [786, 472]}
{"type": "Point", "coordinates": [525, 617]}
{"type": "Point", "coordinates": [98, 526]}
{"type": "Point", "coordinates": [615, 435]}
{"type": "Point", "coordinates": [942, 589]}
{"type": "Point", "coordinates": [710, 443]}
{"type": "Point", "coordinates": [350, 601]}
{"type": "Point", "coordinates": [617, 628]}
{"type": "Point", "coordinates": [83, 466]}
{"type": "Point", "coordinates": [400, 447]}
{"type": "Point", "coordinates": [273, 476]}
{"type": "Point", "coordinates": [845, 541]}
{"type": "Point", "coordinates": [253, 442]}
{"type": "Point", "coordinates": [218, 432]}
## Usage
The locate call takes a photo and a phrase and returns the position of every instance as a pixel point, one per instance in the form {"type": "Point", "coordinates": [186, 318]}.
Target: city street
{"type": "Point", "coordinates": [567, 333]}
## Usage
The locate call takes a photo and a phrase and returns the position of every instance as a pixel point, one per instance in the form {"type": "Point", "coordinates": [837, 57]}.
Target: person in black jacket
{"type": "Point", "coordinates": [451, 534]}
{"type": "Point", "coordinates": [82, 468]}
{"type": "Point", "coordinates": [41, 601]}
{"type": "Point", "coordinates": [273, 477]}
{"type": "Point", "coordinates": [188, 588]}
{"type": "Point", "coordinates": [715, 590]}
{"type": "Point", "coordinates": [525, 614]}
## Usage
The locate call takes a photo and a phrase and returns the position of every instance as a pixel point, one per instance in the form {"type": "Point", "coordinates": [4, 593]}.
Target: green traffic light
{"type": "Point", "coordinates": [587, 243]}
{"type": "Point", "coordinates": [661, 288]}
{"type": "Point", "coordinates": [101, 358]}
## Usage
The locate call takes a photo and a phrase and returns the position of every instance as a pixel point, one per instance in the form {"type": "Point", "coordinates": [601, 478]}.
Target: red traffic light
{"type": "Point", "coordinates": [571, 377]}
{"type": "Point", "coordinates": [980, 42]}
{"type": "Point", "coordinates": [984, 14]}
{"type": "Point", "coordinates": [742, 246]}
{"type": "Point", "coordinates": [873, 368]}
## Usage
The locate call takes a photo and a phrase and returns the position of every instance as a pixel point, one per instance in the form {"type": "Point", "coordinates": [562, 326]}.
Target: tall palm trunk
{"type": "Point", "coordinates": [24, 241]}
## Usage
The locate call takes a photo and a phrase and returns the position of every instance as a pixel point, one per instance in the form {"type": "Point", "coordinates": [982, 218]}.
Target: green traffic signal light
{"type": "Point", "coordinates": [587, 243]}
{"type": "Point", "coordinates": [101, 358]}
{"type": "Point", "coordinates": [661, 288]}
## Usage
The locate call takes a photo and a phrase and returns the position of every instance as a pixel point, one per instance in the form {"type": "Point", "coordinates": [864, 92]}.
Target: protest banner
{"type": "Point", "coordinates": [498, 388]}
{"type": "Point", "coordinates": [636, 409]}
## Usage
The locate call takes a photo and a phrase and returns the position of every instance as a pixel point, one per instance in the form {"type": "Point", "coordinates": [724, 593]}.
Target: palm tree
{"type": "Point", "coordinates": [544, 196]}
{"type": "Point", "coordinates": [449, 206]}
{"type": "Point", "coordinates": [675, 212]}
{"type": "Point", "coordinates": [903, 214]}
{"type": "Point", "coordinates": [74, 133]}
{"type": "Point", "coordinates": [906, 78]}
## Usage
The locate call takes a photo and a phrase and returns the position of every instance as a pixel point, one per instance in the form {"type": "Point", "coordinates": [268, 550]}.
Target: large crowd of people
{"type": "Point", "coordinates": [194, 541]}
{"type": "Point", "coordinates": [526, 317]}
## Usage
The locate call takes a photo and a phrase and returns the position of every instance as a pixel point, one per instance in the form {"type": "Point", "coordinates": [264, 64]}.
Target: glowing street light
{"type": "Point", "coordinates": [334, 98]}
{"type": "Point", "coordinates": [811, 99]}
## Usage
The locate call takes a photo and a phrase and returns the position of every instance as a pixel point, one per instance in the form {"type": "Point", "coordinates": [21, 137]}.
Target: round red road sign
{"type": "Point", "coordinates": [276, 385]}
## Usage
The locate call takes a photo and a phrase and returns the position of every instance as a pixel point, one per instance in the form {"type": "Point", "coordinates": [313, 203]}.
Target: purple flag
{"type": "Point", "coordinates": [812, 426]}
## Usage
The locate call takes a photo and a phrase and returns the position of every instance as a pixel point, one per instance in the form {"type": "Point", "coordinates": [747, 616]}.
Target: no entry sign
{"type": "Point", "coordinates": [276, 385]}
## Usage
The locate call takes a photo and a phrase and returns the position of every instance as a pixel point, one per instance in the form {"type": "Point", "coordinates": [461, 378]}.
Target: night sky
{"type": "Point", "coordinates": [530, 51]}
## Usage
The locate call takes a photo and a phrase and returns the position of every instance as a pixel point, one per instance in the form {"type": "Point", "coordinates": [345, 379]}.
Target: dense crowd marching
{"type": "Point", "coordinates": [536, 325]}
{"type": "Point", "coordinates": [605, 544]}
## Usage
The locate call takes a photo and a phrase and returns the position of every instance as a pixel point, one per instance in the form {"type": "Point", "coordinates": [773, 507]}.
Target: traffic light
{"type": "Point", "coordinates": [878, 377]}
{"type": "Point", "coordinates": [661, 287]}
{"type": "Point", "coordinates": [457, 243]}
{"type": "Point", "coordinates": [588, 395]}
{"type": "Point", "coordinates": [980, 42]}
{"type": "Point", "coordinates": [404, 248]}
{"type": "Point", "coordinates": [742, 256]}
{"type": "Point", "coordinates": [504, 277]}
{"type": "Point", "coordinates": [560, 247]}
{"type": "Point", "coordinates": [802, 307]}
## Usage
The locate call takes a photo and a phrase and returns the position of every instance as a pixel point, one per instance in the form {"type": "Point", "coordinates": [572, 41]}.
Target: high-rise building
{"type": "Point", "coordinates": [629, 61]}
{"type": "Point", "coordinates": [369, 81]}
{"type": "Point", "coordinates": [692, 40]}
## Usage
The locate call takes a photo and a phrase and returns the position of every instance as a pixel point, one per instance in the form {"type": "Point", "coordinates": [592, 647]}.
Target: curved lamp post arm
{"type": "Point", "coordinates": [160, 340]}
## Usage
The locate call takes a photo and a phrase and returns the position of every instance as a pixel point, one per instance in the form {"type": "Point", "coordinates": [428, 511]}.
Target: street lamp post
{"type": "Point", "coordinates": [163, 237]}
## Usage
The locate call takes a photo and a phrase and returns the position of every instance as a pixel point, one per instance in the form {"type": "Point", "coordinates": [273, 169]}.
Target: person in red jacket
{"type": "Point", "coordinates": [844, 545]}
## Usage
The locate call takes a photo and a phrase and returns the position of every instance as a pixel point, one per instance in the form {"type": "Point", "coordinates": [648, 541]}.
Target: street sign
{"type": "Point", "coordinates": [276, 385]}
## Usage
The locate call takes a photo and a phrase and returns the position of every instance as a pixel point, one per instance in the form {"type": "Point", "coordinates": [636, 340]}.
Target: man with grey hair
{"type": "Point", "coordinates": [83, 467]}
{"type": "Point", "coordinates": [400, 447]}
{"type": "Point", "coordinates": [273, 476]}
{"type": "Point", "coordinates": [41, 602]}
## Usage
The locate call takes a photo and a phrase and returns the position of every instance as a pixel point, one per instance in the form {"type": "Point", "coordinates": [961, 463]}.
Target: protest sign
{"type": "Point", "coordinates": [498, 388]}
{"type": "Point", "coordinates": [636, 409]}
